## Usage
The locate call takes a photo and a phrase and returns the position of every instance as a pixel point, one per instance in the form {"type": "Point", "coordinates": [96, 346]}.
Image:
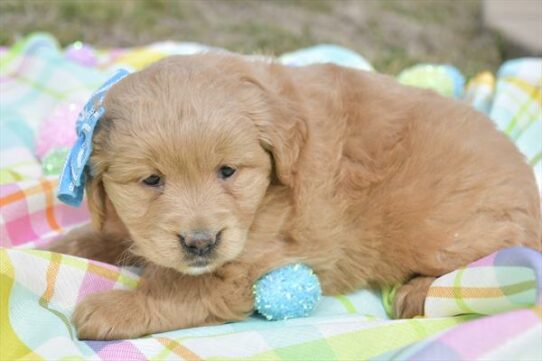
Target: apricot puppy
{"type": "Point", "coordinates": [212, 170]}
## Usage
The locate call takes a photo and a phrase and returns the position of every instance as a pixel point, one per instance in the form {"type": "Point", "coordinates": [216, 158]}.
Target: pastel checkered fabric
{"type": "Point", "coordinates": [40, 290]}
{"type": "Point", "coordinates": [491, 309]}
{"type": "Point", "coordinates": [31, 215]}
{"type": "Point", "coordinates": [506, 284]}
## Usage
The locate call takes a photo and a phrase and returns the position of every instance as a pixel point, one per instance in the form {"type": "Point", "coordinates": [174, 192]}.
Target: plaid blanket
{"type": "Point", "coordinates": [491, 309]}
{"type": "Point", "coordinates": [40, 290]}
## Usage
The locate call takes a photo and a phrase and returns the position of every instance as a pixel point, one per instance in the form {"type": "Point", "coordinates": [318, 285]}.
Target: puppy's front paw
{"type": "Point", "coordinates": [410, 298]}
{"type": "Point", "coordinates": [111, 315]}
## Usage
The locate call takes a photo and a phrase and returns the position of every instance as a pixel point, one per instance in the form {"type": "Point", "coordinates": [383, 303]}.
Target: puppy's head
{"type": "Point", "coordinates": [184, 156]}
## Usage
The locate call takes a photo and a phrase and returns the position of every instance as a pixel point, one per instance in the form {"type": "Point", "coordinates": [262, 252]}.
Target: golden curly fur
{"type": "Point", "coordinates": [366, 181]}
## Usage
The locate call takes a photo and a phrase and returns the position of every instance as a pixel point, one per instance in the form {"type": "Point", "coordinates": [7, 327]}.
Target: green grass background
{"type": "Point", "coordinates": [391, 34]}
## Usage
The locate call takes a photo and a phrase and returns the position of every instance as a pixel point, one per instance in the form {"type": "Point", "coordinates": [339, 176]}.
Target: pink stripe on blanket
{"type": "Point", "coordinates": [116, 350]}
{"type": "Point", "coordinates": [484, 262]}
{"type": "Point", "coordinates": [67, 215]}
{"type": "Point", "coordinates": [19, 231]}
{"type": "Point", "coordinates": [93, 283]}
{"type": "Point", "coordinates": [473, 339]}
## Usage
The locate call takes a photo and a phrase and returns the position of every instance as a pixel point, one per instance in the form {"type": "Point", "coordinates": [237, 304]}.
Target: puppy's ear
{"type": "Point", "coordinates": [281, 126]}
{"type": "Point", "coordinates": [96, 199]}
{"type": "Point", "coordinates": [103, 215]}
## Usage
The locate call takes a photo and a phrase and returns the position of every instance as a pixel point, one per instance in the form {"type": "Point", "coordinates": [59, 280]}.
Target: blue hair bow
{"type": "Point", "coordinates": [71, 185]}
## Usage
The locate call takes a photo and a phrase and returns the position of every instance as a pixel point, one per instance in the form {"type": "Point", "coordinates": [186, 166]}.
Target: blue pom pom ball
{"type": "Point", "coordinates": [287, 292]}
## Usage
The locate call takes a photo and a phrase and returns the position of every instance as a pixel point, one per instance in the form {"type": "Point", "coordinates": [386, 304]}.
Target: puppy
{"type": "Point", "coordinates": [212, 170]}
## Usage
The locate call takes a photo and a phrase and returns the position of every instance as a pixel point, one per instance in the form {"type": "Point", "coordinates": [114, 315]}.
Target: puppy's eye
{"type": "Point", "coordinates": [225, 172]}
{"type": "Point", "coordinates": [153, 181]}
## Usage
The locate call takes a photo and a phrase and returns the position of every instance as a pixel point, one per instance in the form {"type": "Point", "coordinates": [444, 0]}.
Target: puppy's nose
{"type": "Point", "coordinates": [199, 243]}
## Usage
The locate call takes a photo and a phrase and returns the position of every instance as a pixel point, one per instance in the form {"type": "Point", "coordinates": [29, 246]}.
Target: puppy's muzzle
{"type": "Point", "coordinates": [200, 242]}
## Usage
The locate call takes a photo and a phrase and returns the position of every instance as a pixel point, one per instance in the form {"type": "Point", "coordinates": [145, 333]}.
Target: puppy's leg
{"type": "Point", "coordinates": [86, 242]}
{"type": "Point", "coordinates": [482, 235]}
{"type": "Point", "coordinates": [167, 300]}
{"type": "Point", "coordinates": [410, 298]}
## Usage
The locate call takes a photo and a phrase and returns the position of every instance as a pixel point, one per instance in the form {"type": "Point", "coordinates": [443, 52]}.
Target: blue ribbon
{"type": "Point", "coordinates": [71, 185]}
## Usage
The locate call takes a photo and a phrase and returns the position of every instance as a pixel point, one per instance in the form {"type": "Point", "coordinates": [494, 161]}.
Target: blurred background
{"type": "Point", "coordinates": [474, 35]}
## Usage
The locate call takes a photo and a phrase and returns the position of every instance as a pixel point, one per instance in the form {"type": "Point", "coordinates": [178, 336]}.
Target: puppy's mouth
{"type": "Point", "coordinates": [199, 265]}
{"type": "Point", "coordinates": [199, 262]}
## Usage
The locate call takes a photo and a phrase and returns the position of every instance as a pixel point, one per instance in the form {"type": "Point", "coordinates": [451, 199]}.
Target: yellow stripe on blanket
{"type": "Point", "coordinates": [11, 346]}
{"type": "Point", "coordinates": [178, 349]}
{"type": "Point", "coordinates": [476, 292]}
{"type": "Point", "coordinates": [534, 92]}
